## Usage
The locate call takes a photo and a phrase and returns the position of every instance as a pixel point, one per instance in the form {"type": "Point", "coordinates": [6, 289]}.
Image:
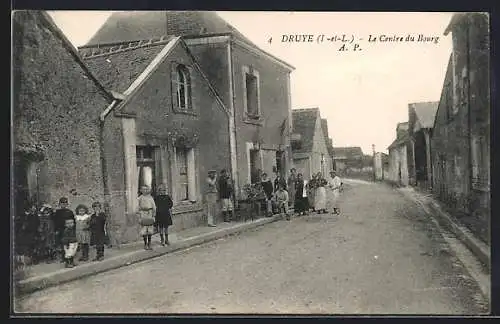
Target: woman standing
{"type": "Point", "coordinates": [301, 203]}
{"type": "Point", "coordinates": [311, 191]}
{"type": "Point", "coordinates": [320, 196]}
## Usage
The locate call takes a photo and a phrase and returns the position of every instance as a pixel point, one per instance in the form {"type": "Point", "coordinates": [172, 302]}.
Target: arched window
{"type": "Point", "coordinates": [182, 87]}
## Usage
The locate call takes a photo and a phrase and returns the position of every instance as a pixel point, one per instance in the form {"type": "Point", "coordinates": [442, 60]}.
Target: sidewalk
{"type": "Point", "coordinates": [430, 205]}
{"type": "Point", "coordinates": [44, 275]}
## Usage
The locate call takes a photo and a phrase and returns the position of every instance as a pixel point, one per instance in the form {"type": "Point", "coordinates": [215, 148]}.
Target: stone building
{"type": "Point", "coordinates": [309, 144]}
{"type": "Point", "coordinates": [168, 126]}
{"type": "Point", "coordinates": [398, 156]}
{"type": "Point", "coordinates": [348, 158]}
{"type": "Point", "coordinates": [421, 117]}
{"type": "Point", "coordinates": [56, 131]}
{"type": "Point", "coordinates": [253, 84]}
{"type": "Point", "coordinates": [461, 136]}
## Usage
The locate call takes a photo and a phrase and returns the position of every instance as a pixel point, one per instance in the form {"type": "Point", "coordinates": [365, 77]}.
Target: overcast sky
{"type": "Point", "coordinates": [363, 94]}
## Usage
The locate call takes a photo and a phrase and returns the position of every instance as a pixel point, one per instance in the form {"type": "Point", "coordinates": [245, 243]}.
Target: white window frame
{"type": "Point", "coordinates": [246, 70]}
{"type": "Point", "coordinates": [184, 70]}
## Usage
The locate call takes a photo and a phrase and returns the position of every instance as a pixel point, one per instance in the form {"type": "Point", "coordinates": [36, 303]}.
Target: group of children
{"type": "Point", "coordinates": [80, 230]}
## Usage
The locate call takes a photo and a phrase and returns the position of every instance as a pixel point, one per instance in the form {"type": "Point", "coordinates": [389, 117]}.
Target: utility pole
{"type": "Point", "coordinates": [373, 164]}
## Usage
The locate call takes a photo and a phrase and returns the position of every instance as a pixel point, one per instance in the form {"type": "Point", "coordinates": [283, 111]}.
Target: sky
{"type": "Point", "coordinates": [364, 93]}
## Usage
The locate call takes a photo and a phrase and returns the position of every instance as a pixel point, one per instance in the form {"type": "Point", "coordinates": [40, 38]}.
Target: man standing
{"type": "Point", "coordinates": [225, 194]}
{"type": "Point", "coordinates": [334, 184]}
{"type": "Point", "coordinates": [292, 179]}
{"type": "Point", "coordinates": [211, 197]}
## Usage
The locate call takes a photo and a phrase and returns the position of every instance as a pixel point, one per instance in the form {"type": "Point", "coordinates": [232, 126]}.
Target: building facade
{"type": "Point", "coordinates": [421, 117]}
{"type": "Point", "coordinates": [57, 134]}
{"type": "Point", "coordinates": [167, 129]}
{"type": "Point", "coordinates": [398, 156]}
{"type": "Point", "coordinates": [461, 136]}
{"type": "Point", "coordinates": [309, 145]}
{"type": "Point", "coordinates": [253, 84]}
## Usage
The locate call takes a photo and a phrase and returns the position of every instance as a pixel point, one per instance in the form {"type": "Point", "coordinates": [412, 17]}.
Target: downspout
{"type": "Point", "coordinates": [232, 120]}
{"type": "Point", "coordinates": [469, 122]}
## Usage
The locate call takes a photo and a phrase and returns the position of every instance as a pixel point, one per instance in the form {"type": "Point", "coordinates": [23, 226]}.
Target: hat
{"type": "Point", "coordinates": [63, 200]}
{"type": "Point", "coordinates": [212, 171]}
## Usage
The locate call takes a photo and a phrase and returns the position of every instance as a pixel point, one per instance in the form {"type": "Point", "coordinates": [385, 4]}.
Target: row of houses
{"type": "Point", "coordinates": [444, 147]}
{"type": "Point", "coordinates": [153, 97]}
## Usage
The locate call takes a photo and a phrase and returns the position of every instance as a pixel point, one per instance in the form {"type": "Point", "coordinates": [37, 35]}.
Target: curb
{"type": "Point", "coordinates": [478, 248]}
{"type": "Point", "coordinates": [33, 284]}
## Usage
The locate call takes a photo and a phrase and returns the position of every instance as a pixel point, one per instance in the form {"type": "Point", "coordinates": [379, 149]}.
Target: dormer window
{"type": "Point", "coordinates": [181, 88]}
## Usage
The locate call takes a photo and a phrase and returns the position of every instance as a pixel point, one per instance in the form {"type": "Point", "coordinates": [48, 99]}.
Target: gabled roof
{"type": "Point", "coordinates": [304, 123]}
{"type": "Point", "coordinates": [126, 66]}
{"type": "Point", "coordinates": [136, 25]}
{"type": "Point", "coordinates": [42, 17]}
{"type": "Point", "coordinates": [350, 152]}
{"type": "Point", "coordinates": [139, 25]}
{"type": "Point", "coordinates": [324, 127]}
{"type": "Point", "coordinates": [403, 139]}
{"type": "Point", "coordinates": [425, 112]}
{"type": "Point", "coordinates": [118, 65]}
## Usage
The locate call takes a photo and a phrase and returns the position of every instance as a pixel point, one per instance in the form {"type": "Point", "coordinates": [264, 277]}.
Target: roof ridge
{"type": "Point", "coordinates": [98, 50]}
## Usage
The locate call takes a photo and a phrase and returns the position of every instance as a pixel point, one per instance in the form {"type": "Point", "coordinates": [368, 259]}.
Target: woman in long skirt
{"type": "Point", "coordinates": [301, 204]}
{"type": "Point", "coordinates": [320, 197]}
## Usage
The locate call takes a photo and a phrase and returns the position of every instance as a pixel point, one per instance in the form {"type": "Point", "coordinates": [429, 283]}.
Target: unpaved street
{"type": "Point", "coordinates": [380, 256]}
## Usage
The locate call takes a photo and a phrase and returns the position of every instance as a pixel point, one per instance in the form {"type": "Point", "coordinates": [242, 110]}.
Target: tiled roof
{"type": "Point", "coordinates": [304, 123]}
{"type": "Point", "coordinates": [426, 112]}
{"type": "Point", "coordinates": [347, 152]}
{"type": "Point", "coordinates": [136, 25]}
{"type": "Point", "coordinates": [399, 141]}
{"type": "Point", "coordinates": [118, 65]}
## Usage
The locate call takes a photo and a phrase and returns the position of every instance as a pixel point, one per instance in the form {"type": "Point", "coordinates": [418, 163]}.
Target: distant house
{"type": "Point", "coordinates": [57, 101]}
{"type": "Point", "coordinates": [309, 145]}
{"type": "Point", "coordinates": [253, 84]}
{"type": "Point", "coordinates": [398, 156]}
{"type": "Point", "coordinates": [420, 124]}
{"type": "Point", "coordinates": [348, 158]}
{"type": "Point", "coordinates": [461, 135]}
{"type": "Point", "coordinates": [172, 123]}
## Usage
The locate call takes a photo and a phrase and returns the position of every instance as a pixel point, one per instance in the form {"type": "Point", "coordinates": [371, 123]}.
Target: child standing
{"type": "Point", "coordinates": [60, 217]}
{"type": "Point", "coordinates": [97, 229]}
{"type": "Point", "coordinates": [146, 213]}
{"type": "Point", "coordinates": [83, 230]}
{"type": "Point", "coordinates": [69, 242]}
{"type": "Point", "coordinates": [163, 215]}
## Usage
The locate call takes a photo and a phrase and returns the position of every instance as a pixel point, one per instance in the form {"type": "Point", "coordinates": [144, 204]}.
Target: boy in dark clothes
{"type": "Point", "coordinates": [97, 228]}
{"type": "Point", "coordinates": [60, 217]}
{"type": "Point", "coordinates": [163, 215]}
{"type": "Point", "coordinates": [69, 242]}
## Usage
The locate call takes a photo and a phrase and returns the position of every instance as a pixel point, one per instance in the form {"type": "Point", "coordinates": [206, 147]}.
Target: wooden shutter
{"type": "Point", "coordinates": [174, 81]}
{"type": "Point", "coordinates": [191, 90]}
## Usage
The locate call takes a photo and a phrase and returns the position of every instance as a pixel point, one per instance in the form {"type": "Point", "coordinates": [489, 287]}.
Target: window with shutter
{"type": "Point", "coordinates": [183, 174]}
{"type": "Point", "coordinates": [181, 88]}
